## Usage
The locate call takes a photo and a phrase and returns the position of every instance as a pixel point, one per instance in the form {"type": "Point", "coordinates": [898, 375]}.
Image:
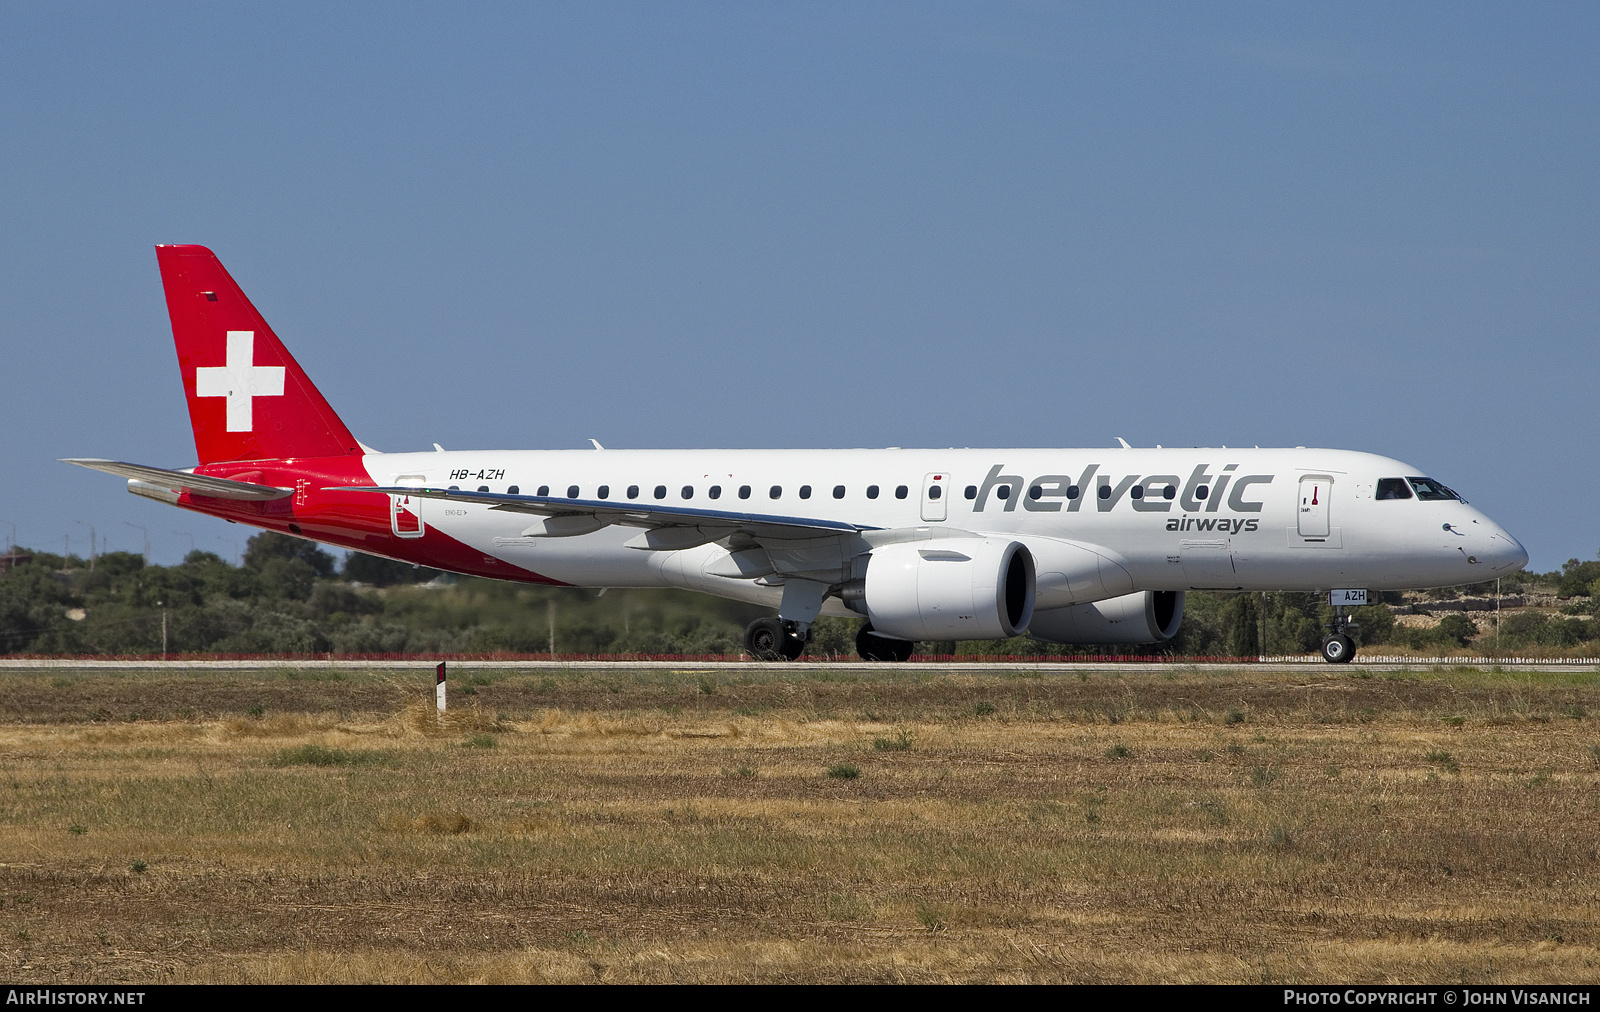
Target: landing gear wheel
{"type": "Point", "coordinates": [1338, 649]}
{"type": "Point", "coordinates": [766, 639]}
{"type": "Point", "coordinates": [873, 647]}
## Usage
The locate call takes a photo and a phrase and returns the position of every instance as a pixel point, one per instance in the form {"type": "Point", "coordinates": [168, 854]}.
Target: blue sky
{"type": "Point", "coordinates": [684, 225]}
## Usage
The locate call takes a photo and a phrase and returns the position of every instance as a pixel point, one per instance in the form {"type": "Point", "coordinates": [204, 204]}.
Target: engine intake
{"type": "Point", "coordinates": [950, 589]}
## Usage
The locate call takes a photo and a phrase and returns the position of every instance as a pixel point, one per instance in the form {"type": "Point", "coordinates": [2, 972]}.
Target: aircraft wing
{"type": "Point", "coordinates": [651, 516]}
{"type": "Point", "coordinates": [183, 481]}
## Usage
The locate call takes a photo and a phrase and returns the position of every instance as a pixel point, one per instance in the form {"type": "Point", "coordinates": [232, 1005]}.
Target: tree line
{"type": "Point", "coordinates": [288, 596]}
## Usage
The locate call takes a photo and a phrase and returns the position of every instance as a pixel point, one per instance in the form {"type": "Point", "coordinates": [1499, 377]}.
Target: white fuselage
{"type": "Point", "coordinates": [1171, 519]}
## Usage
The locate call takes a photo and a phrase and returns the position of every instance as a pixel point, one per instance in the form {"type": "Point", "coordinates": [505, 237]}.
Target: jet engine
{"type": "Point", "coordinates": [949, 589]}
{"type": "Point", "coordinates": [1149, 616]}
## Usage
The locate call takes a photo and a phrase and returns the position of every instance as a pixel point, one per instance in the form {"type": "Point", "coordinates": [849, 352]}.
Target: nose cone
{"type": "Point", "coordinates": [1505, 553]}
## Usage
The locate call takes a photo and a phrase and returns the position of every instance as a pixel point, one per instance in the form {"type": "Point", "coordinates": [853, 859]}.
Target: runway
{"type": "Point", "coordinates": [1306, 664]}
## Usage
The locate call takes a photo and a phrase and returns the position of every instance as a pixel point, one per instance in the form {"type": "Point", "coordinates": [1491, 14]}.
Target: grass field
{"type": "Point", "coordinates": [800, 824]}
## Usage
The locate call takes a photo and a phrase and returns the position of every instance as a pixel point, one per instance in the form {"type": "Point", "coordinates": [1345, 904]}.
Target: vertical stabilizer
{"type": "Point", "coordinates": [248, 398]}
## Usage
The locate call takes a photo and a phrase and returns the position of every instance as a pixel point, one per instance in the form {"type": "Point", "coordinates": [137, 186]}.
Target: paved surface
{"type": "Point", "coordinates": [1280, 664]}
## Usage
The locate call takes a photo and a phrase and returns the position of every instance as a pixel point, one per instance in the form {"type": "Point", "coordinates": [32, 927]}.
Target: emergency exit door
{"type": "Point", "coordinates": [933, 489]}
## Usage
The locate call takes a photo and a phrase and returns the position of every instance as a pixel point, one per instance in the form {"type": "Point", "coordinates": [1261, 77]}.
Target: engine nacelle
{"type": "Point", "coordinates": [950, 589]}
{"type": "Point", "coordinates": [1149, 616]}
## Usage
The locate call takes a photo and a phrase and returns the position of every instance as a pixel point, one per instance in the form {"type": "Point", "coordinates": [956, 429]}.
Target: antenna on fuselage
{"type": "Point", "coordinates": [1124, 443]}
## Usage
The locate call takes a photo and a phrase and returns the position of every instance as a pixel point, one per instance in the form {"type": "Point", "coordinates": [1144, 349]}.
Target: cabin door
{"type": "Point", "coordinates": [1315, 491]}
{"type": "Point", "coordinates": [404, 519]}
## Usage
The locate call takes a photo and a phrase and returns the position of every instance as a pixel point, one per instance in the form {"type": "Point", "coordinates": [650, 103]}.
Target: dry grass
{"type": "Point", "coordinates": [1127, 826]}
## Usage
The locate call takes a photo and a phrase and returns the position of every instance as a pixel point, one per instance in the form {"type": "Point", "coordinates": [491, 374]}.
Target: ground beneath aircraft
{"type": "Point", "coordinates": [799, 824]}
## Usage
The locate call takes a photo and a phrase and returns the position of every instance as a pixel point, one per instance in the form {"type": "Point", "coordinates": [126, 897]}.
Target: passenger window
{"type": "Point", "coordinates": [1035, 492]}
{"type": "Point", "coordinates": [838, 491]}
{"type": "Point", "coordinates": [661, 491]}
{"type": "Point", "coordinates": [688, 491]}
{"type": "Point", "coordinates": [572, 491]}
{"type": "Point", "coordinates": [934, 491]}
{"type": "Point", "coordinates": [971, 492]}
{"type": "Point", "coordinates": [483, 488]}
{"type": "Point", "coordinates": [1136, 492]}
{"type": "Point", "coordinates": [805, 491]}
{"type": "Point", "coordinates": [1105, 491]}
{"type": "Point", "coordinates": [872, 491]}
{"type": "Point", "coordinates": [744, 491]}
{"type": "Point", "coordinates": [543, 489]}
{"type": "Point", "coordinates": [1429, 490]}
{"type": "Point", "coordinates": [1201, 491]}
{"type": "Point", "coordinates": [1073, 491]}
{"type": "Point", "coordinates": [1171, 492]}
{"type": "Point", "coordinates": [455, 488]}
{"type": "Point", "coordinates": [603, 492]}
{"type": "Point", "coordinates": [1004, 491]}
{"type": "Point", "coordinates": [775, 491]}
{"type": "Point", "coordinates": [633, 491]}
{"type": "Point", "coordinates": [1393, 488]}
{"type": "Point", "coordinates": [900, 491]}
{"type": "Point", "coordinates": [714, 491]}
{"type": "Point", "coordinates": [514, 490]}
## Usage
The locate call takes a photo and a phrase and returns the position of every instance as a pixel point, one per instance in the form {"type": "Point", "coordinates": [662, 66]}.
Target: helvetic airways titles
{"type": "Point", "coordinates": [1152, 493]}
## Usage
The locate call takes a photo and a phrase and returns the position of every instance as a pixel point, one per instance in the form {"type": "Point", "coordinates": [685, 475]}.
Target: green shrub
{"type": "Point", "coordinates": [1439, 757]}
{"type": "Point", "coordinates": [317, 755]}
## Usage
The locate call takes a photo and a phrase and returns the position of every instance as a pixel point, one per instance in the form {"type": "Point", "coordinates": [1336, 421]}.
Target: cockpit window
{"type": "Point", "coordinates": [1429, 490]}
{"type": "Point", "coordinates": [1393, 488]}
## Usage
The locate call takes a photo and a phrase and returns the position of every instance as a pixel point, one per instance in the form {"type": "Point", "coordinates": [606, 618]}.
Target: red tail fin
{"type": "Point", "coordinates": [248, 397]}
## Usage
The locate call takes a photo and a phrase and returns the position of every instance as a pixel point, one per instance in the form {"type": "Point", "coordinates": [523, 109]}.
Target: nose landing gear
{"type": "Point", "coordinates": [1338, 647]}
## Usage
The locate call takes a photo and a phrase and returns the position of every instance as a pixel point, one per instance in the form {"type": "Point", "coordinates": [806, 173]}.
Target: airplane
{"type": "Point", "coordinates": [1078, 546]}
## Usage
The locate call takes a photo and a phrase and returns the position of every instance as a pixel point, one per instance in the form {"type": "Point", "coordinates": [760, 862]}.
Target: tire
{"type": "Point", "coordinates": [764, 640]}
{"type": "Point", "coordinates": [1338, 649]}
{"type": "Point", "coordinates": [872, 647]}
{"type": "Point", "coordinates": [792, 647]}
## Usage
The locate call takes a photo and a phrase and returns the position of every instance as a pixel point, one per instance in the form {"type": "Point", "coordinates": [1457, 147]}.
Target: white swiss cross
{"type": "Point", "coordinates": [240, 380]}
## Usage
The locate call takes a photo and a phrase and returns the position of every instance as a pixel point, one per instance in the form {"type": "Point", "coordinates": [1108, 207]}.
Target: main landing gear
{"type": "Point", "coordinates": [873, 647]}
{"type": "Point", "coordinates": [1338, 647]}
{"type": "Point", "coordinates": [771, 639]}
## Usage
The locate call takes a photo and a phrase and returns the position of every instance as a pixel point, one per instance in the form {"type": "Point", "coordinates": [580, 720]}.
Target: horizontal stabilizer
{"type": "Point", "coordinates": [183, 481]}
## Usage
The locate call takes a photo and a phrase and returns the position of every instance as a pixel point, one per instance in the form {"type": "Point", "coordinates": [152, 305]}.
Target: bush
{"type": "Point", "coordinates": [1457, 629]}
{"type": "Point", "coordinates": [1578, 578]}
{"type": "Point", "coordinates": [370, 569]}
